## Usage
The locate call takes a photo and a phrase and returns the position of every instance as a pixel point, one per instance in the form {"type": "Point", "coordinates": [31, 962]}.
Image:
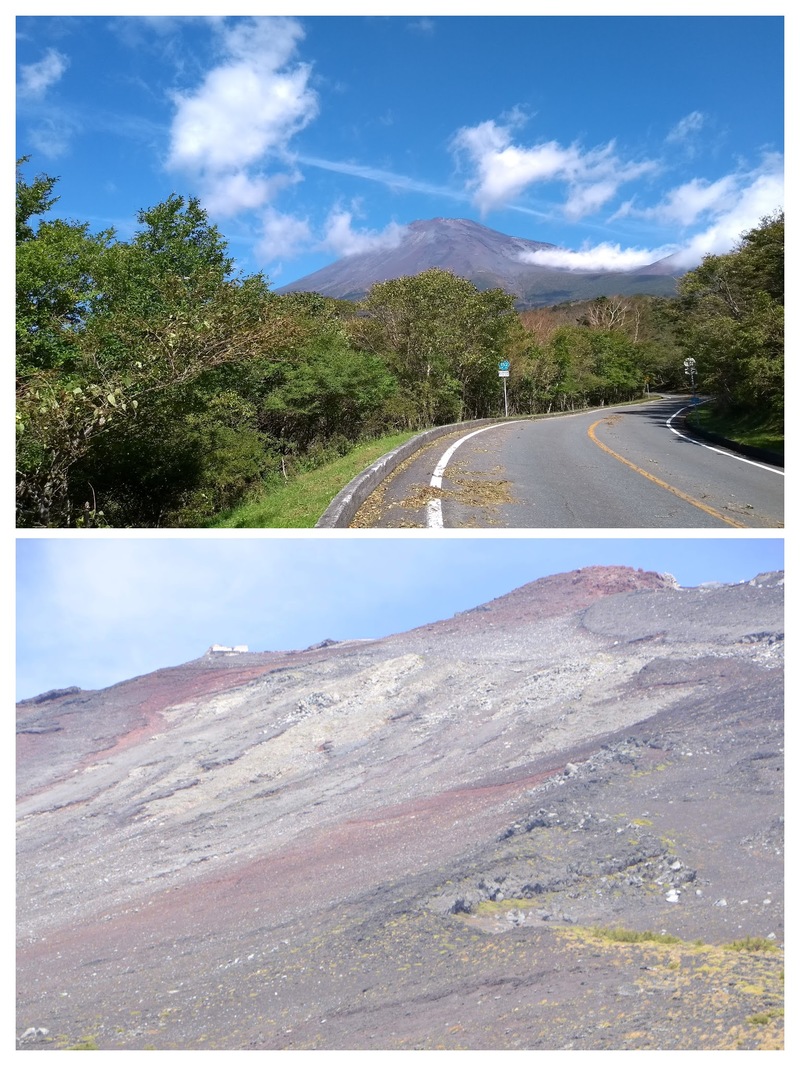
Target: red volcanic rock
{"type": "Point", "coordinates": [561, 593]}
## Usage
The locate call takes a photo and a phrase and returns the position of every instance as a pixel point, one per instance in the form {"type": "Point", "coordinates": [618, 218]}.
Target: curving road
{"type": "Point", "coordinates": [620, 467]}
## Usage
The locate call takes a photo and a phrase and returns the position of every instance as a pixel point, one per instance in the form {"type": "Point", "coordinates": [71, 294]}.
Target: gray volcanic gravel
{"type": "Point", "coordinates": [416, 842]}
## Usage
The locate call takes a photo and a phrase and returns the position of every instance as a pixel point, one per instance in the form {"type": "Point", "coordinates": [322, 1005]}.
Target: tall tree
{"type": "Point", "coordinates": [327, 391]}
{"type": "Point", "coordinates": [729, 316]}
{"type": "Point", "coordinates": [111, 327]}
{"type": "Point", "coordinates": [57, 265]}
{"type": "Point", "coordinates": [442, 338]}
{"type": "Point", "coordinates": [33, 199]}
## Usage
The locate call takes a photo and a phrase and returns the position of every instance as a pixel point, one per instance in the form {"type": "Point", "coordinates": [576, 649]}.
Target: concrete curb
{"type": "Point", "coordinates": [343, 507]}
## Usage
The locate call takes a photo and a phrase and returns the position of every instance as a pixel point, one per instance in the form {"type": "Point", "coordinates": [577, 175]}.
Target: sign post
{"type": "Point", "coordinates": [689, 367]}
{"type": "Point", "coordinates": [504, 371]}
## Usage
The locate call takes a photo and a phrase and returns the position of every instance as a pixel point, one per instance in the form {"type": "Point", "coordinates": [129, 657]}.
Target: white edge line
{"type": "Point", "coordinates": [435, 518]}
{"type": "Point", "coordinates": [719, 451]}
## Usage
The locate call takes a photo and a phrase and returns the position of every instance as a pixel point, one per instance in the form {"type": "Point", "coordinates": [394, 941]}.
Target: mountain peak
{"type": "Point", "coordinates": [484, 256]}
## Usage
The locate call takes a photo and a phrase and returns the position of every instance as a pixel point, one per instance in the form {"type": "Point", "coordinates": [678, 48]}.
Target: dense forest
{"type": "Point", "coordinates": [157, 386]}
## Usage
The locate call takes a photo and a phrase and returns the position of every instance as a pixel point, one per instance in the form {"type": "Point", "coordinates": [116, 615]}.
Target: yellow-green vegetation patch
{"type": "Point", "coordinates": [752, 943]}
{"type": "Point", "coordinates": [632, 936]}
{"type": "Point", "coordinates": [502, 906]}
{"type": "Point", "coordinates": [729, 998]}
{"type": "Point", "coordinates": [765, 1017]}
{"type": "Point", "coordinates": [86, 1043]}
{"type": "Point", "coordinates": [646, 770]}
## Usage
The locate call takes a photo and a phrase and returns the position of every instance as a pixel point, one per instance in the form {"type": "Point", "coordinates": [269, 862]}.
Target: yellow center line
{"type": "Point", "coordinates": [663, 484]}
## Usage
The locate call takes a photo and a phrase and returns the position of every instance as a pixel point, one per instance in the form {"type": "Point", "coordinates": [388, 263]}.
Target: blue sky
{"type": "Point", "coordinates": [92, 611]}
{"type": "Point", "coordinates": [619, 139]}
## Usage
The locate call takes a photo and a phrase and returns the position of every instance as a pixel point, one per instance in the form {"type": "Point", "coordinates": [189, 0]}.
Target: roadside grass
{"type": "Point", "coordinates": [300, 502]}
{"type": "Point", "coordinates": [753, 428]}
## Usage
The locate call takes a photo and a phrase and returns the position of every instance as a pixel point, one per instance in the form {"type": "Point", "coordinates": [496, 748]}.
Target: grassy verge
{"type": "Point", "coordinates": [753, 428]}
{"type": "Point", "coordinates": [300, 502]}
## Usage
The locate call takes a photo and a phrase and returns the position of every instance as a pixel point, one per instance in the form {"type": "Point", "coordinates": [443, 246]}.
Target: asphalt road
{"type": "Point", "coordinates": [620, 467]}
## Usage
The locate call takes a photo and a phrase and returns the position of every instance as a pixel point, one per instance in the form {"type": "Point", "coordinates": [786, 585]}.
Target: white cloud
{"type": "Point", "coordinates": [54, 127]}
{"type": "Point", "coordinates": [286, 236]}
{"type": "Point", "coordinates": [698, 197]}
{"type": "Point", "coordinates": [424, 26]}
{"type": "Point", "coordinates": [36, 78]}
{"type": "Point", "coordinates": [343, 240]}
{"type": "Point", "coordinates": [503, 169]}
{"type": "Point", "coordinates": [230, 194]}
{"type": "Point", "coordinates": [730, 195]}
{"type": "Point", "coordinates": [52, 136]}
{"type": "Point", "coordinates": [598, 180]}
{"type": "Point", "coordinates": [588, 199]}
{"type": "Point", "coordinates": [262, 41]}
{"type": "Point", "coordinates": [283, 236]}
{"type": "Point", "coordinates": [244, 113]}
{"type": "Point", "coordinates": [762, 196]}
{"type": "Point", "coordinates": [235, 192]}
{"type": "Point", "coordinates": [601, 257]}
{"type": "Point", "coordinates": [383, 177]}
{"type": "Point", "coordinates": [689, 124]}
{"type": "Point", "coordinates": [688, 202]}
{"type": "Point", "coordinates": [730, 206]}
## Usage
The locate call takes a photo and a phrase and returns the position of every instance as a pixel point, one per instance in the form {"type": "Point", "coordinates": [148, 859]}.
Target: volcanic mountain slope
{"type": "Point", "coordinates": [412, 842]}
{"type": "Point", "coordinates": [489, 259]}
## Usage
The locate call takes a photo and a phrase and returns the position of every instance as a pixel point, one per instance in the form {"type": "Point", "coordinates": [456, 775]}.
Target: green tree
{"type": "Point", "coordinates": [33, 199]}
{"type": "Point", "coordinates": [577, 385]}
{"type": "Point", "coordinates": [442, 340]}
{"type": "Point", "coordinates": [327, 391]}
{"type": "Point", "coordinates": [177, 238]}
{"type": "Point", "coordinates": [616, 366]}
{"type": "Point", "coordinates": [729, 317]}
{"type": "Point", "coordinates": [532, 384]}
{"type": "Point", "coordinates": [186, 455]}
{"type": "Point", "coordinates": [153, 318]}
{"type": "Point", "coordinates": [176, 259]}
{"type": "Point", "coordinates": [57, 264]}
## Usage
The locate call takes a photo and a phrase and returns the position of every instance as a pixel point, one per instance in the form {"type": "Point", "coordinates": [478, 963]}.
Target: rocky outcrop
{"type": "Point", "coordinates": [52, 694]}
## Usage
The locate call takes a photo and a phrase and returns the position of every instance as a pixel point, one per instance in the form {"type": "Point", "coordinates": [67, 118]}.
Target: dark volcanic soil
{"type": "Point", "coordinates": [422, 842]}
